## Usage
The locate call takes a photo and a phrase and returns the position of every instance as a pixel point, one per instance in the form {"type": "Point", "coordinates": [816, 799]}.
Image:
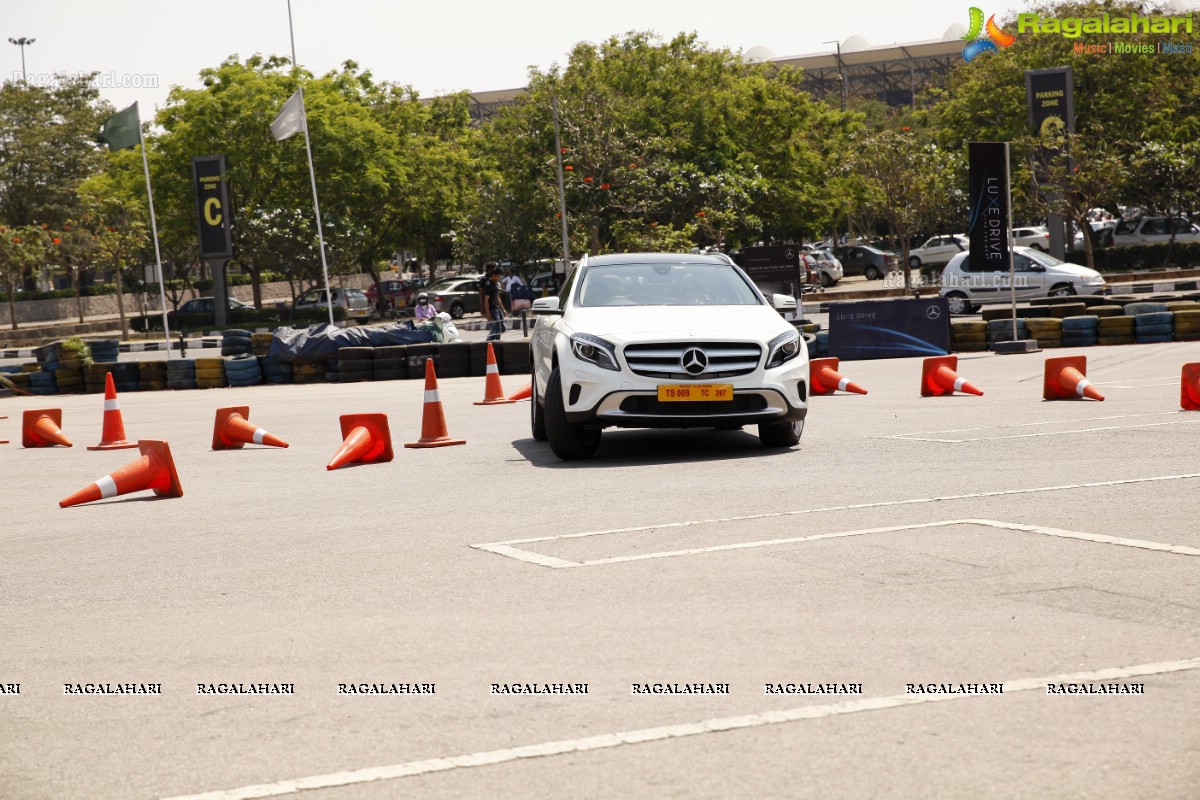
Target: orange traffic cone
{"type": "Point", "coordinates": [154, 470]}
{"type": "Point", "coordinates": [938, 378]}
{"type": "Point", "coordinates": [365, 439]}
{"type": "Point", "coordinates": [823, 378]}
{"type": "Point", "coordinates": [113, 436]}
{"type": "Point", "coordinates": [42, 427]}
{"type": "Point", "coordinates": [433, 421]}
{"type": "Point", "coordinates": [1190, 387]}
{"type": "Point", "coordinates": [493, 393]}
{"type": "Point", "coordinates": [1064, 379]}
{"type": "Point", "coordinates": [231, 430]}
{"type": "Point", "coordinates": [522, 394]}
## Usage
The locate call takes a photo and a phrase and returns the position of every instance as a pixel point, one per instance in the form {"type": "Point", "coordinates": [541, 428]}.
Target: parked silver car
{"type": "Point", "coordinates": [358, 307]}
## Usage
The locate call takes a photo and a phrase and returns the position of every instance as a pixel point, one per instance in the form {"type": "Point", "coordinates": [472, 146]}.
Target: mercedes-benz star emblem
{"type": "Point", "coordinates": [933, 312]}
{"type": "Point", "coordinates": [693, 361]}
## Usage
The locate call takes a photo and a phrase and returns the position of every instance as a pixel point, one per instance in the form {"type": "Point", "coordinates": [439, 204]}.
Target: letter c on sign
{"type": "Point", "coordinates": [212, 211]}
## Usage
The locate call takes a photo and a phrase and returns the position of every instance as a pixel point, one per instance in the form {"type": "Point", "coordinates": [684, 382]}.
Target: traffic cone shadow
{"type": "Point", "coordinates": [823, 378]}
{"type": "Point", "coordinates": [493, 393]}
{"type": "Point", "coordinates": [939, 378]}
{"type": "Point", "coordinates": [232, 429]}
{"type": "Point", "coordinates": [433, 420]}
{"type": "Point", "coordinates": [42, 427]}
{"type": "Point", "coordinates": [1065, 379]}
{"type": "Point", "coordinates": [113, 435]}
{"type": "Point", "coordinates": [154, 470]}
{"type": "Point", "coordinates": [1189, 392]}
{"type": "Point", "coordinates": [366, 439]}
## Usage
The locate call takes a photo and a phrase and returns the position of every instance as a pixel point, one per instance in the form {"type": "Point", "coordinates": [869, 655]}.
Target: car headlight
{"type": "Point", "coordinates": [783, 348]}
{"type": "Point", "coordinates": [595, 350]}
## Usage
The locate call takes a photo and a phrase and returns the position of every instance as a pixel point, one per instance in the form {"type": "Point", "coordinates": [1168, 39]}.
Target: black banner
{"type": "Point", "coordinates": [771, 263]}
{"type": "Point", "coordinates": [988, 224]}
{"type": "Point", "coordinates": [212, 207]}
{"type": "Point", "coordinates": [889, 329]}
{"type": "Point", "coordinates": [1050, 96]}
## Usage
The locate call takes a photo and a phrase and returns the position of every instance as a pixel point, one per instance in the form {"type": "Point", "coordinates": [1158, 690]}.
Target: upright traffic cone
{"type": "Point", "coordinates": [1190, 387]}
{"type": "Point", "coordinates": [823, 378]}
{"type": "Point", "coordinates": [433, 421]}
{"type": "Point", "coordinates": [42, 427]}
{"type": "Point", "coordinates": [522, 394]}
{"type": "Point", "coordinates": [231, 430]}
{"type": "Point", "coordinates": [493, 393]}
{"type": "Point", "coordinates": [938, 378]}
{"type": "Point", "coordinates": [366, 439]}
{"type": "Point", "coordinates": [1064, 379]}
{"type": "Point", "coordinates": [154, 470]}
{"type": "Point", "coordinates": [113, 435]}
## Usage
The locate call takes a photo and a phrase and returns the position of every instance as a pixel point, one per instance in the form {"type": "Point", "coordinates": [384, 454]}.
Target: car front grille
{"type": "Point", "coordinates": [652, 406]}
{"type": "Point", "coordinates": [665, 359]}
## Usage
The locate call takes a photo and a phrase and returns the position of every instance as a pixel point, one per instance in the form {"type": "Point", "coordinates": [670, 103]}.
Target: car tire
{"type": "Point", "coordinates": [568, 440]}
{"type": "Point", "coordinates": [1062, 290]}
{"type": "Point", "coordinates": [871, 273]}
{"type": "Point", "coordinates": [457, 311]}
{"type": "Point", "coordinates": [959, 303]}
{"type": "Point", "coordinates": [780, 434]}
{"type": "Point", "coordinates": [914, 262]}
{"type": "Point", "coordinates": [826, 281]}
{"type": "Point", "coordinates": [537, 415]}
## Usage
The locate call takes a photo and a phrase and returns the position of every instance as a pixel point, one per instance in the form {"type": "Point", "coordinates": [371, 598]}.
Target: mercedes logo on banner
{"type": "Point", "coordinates": [694, 361]}
{"type": "Point", "coordinates": [933, 312]}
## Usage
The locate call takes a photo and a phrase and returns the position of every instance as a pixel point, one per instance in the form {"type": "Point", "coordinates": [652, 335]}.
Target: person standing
{"type": "Point", "coordinates": [492, 304]}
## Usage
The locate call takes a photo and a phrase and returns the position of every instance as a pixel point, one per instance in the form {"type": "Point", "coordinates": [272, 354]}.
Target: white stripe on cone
{"type": "Point", "coordinates": [958, 384]}
{"type": "Point", "coordinates": [111, 405]}
{"type": "Point", "coordinates": [1081, 386]}
{"type": "Point", "coordinates": [107, 487]}
{"type": "Point", "coordinates": [842, 384]}
{"type": "Point", "coordinates": [492, 369]}
{"type": "Point", "coordinates": [258, 435]}
{"type": "Point", "coordinates": [431, 396]}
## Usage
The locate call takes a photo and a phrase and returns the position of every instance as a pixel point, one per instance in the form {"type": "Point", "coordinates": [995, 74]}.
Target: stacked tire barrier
{"type": "Point", "coordinates": [1048, 331]}
{"type": "Point", "coordinates": [822, 343]}
{"type": "Point", "coordinates": [418, 354]}
{"type": "Point", "coordinates": [1080, 331]}
{"type": "Point", "coordinates": [333, 372]}
{"type": "Point", "coordinates": [236, 342]}
{"type": "Point", "coordinates": [260, 343]}
{"type": "Point", "coordinates": [42, 383]}
{"type": "Point", "coordinates": [969, 336]}
{"type": "Point", "coordinates": [104, 350]}
{"type": "Point", "coordinates": [1187, 325]}
{"type": "Point", "coordinates": [181, 374]}
{"type": "Point", "coordinates": [1064, 310]}
{"type": "Point", "coordinates": [18, 377]}
{"type": "Point", "coordinates": [127, 377]}
{"type": "Point", "coordinates": [152, 376]}
{"type": "Point", "coordinates": [210, 373]}
{"type": "Point", "coordinates": [1152, 322]}
{"type": "Point", "coordinates": [513, 358]}
{"type": "Point", "coordinates": [274, 371]}
{"type": "Point", "coordinates": [391, 363]}
{"type": "Point", "coordinates": [1001, 330]}
{"type": "Point", "coordinates": [1107, 311]}
{"type": "Point", "coordinates": [356, 364]}
{"type": "Point", "coordinates": [454, 360]}
{"type": "Point", "coordinates": [243, 370]}
{"type": "Point", "coordinates": [308, 372]}
{"type": "Point", "coordinates": [1115, 330]}
{"type": "Point", "coordinates": [94, 373]}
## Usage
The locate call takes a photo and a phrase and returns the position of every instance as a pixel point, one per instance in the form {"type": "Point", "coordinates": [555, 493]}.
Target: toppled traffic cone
{"type": "Point", "coordinates": [231, 430]}
{"type": "Point", "coordinates": [366, 439]}
{"type": "Point", "coordinates": [113, 435]}
{"type": "Point", "coordinates": [42, 427]}
{"type": "Point", "coordinates": [1189, 392]}
{"type": "Point", "coordinates": [823, 378]}
{"type": "Point", "coordinates": [433, 421]}
{"type": "Point", "coordinates": [154, 470]}
{"type": "Point", "coordinates": [1064, 379]}
{"type": "Point", "coordinates": [522, 394]}
{"type": "Point", "coordinates": [493, 393]}
{"type": "Point", "coordinates": [938, 378]}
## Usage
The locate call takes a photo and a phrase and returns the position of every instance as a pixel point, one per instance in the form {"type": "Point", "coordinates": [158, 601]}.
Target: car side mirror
{"type": "Point", "coordinates": [546, 305]}
{"type": "Point", "coordinates": [1036, 268]}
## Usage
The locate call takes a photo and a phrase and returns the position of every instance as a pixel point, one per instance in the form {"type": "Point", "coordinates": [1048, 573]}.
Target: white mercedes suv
{"type": "Point", "coordinates": [663, 340]}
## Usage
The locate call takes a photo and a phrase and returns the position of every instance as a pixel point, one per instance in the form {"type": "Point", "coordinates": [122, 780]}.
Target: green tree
{"type": "Point", "coordinates": [22, 249]}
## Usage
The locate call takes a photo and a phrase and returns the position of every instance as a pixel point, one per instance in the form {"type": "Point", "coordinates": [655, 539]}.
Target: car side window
{"type": "Point", "coordinates": [1125, 227]}
{"type": "Point", "coordinates": [1022, 263]}
{"type": "Point", "coordinates": [1155, 227]}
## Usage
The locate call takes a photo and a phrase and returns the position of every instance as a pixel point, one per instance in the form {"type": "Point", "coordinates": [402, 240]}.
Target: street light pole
{"type": "Point", "coordinates": [21, 44]}
{"type": "Point", "coordinates": [841, 71]}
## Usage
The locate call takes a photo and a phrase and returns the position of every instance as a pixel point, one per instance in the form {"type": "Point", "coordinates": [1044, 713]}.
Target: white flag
{"type": "Point", "coordinates": [291, 119]}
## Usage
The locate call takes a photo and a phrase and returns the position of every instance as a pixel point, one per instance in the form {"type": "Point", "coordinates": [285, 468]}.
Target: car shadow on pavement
{"type": "Point", "coordinates": [629, 447]}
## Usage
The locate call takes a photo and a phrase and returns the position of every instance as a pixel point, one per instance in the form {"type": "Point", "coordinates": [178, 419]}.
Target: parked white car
{"type": "Point", "coordinates": [663, 340]}
{"type": "Point", "coordinates": [938, 250]}
{"type": "Point", "coordinates": [828, 268]}
{"type": "Point", "coordinates": [1154, 230]}
{"type": "Point", "coordinates": [1036, 274]}
{"type": "Point", "coordinates": [1037, 237]}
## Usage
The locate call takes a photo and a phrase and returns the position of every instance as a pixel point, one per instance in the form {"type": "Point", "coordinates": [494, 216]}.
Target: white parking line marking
{"type": "Point", "coordinates": [931, 436]}
{"type": "Point", "coordinates": [665, 732]}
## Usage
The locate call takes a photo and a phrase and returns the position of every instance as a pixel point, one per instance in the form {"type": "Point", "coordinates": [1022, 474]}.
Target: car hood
{"type": "Point", "coordinates": [1074, 271]}
{"type": "Point", "coordinates": [623, 324]}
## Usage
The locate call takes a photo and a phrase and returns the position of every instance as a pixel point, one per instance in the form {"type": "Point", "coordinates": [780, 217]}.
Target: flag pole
{"type": "Point", "coordinates": [312, 174]}
{"type": "Point", "coordinates": [162, 287]}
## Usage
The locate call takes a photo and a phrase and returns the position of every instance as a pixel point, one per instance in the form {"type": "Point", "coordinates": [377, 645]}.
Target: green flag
{"type": "Point", "coordinates": [122, 130]}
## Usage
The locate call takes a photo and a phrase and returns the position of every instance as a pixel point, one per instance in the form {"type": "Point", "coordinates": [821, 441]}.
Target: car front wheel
{"type": "Point", "coordinates": [780, 434]}
{"type": "Point", "coordinates": [568, 440]}
{"type": "Point", "coordinates": [958, 303]}
{"type": "Point", "coordinates": [1065, 290]}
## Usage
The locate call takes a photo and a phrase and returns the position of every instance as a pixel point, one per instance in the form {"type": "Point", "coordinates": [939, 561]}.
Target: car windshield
{"type": "Point", "coordinates": [663, 284]}
{"type": "Point", "coordinates": [1049, 260]}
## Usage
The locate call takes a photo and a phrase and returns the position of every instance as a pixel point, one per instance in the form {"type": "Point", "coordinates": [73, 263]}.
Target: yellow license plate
{"type": "Point", "coordinates": [711, 392]}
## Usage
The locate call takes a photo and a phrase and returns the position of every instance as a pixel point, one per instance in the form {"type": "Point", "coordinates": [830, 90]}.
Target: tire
{"type": "Point", "coordinates": [780, 434]}
{"type": "Point", "coordinates": [568, 440]}
{"type": "Point", "coordinates": [914, 262]}
{"type": "Point", "coordinates": [457, 311]}
{"type": "Point", "coordinates": [959, 303]}
{"type": "Point", "coordinates": [826, 281]}
{"type": "Point", "coordinates": [537, 415]}
{"type": "Point", "coordinates": [1061, 290]}
{"type": "Point", "coordinates": [871, 273]}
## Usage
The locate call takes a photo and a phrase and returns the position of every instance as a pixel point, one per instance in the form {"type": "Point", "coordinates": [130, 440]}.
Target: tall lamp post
{"type": "Point", "coordinates": [841, 71]}
{"type": "Point", "coordinates": [21, 44]}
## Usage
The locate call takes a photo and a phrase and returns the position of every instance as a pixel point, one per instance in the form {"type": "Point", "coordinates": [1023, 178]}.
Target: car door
{"type": "Point", "coordinates": [315, 297]}
{"type": "Point", "coordinates": [1030, 277]}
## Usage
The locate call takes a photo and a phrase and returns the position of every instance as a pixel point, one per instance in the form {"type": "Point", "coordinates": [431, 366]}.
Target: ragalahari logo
{"type": "Point", "coordinates": [978, 43]}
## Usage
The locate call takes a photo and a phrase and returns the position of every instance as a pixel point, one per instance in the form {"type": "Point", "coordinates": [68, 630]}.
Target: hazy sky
{"type": "Point", "coordinates": [436, 47]}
